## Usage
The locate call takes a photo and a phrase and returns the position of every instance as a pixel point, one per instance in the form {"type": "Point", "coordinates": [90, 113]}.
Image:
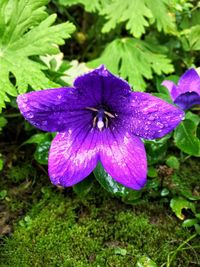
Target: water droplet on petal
{"type": "Point", "coordinates": [160, 125]}
{"type": "Point", "coordinates": [151, 118]}
{"type": "Point", "coordinates": [30, 115]}
{"type": "Point", "coordinates": [24, 98]}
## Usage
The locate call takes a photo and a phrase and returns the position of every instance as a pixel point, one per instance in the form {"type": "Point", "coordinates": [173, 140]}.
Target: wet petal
{"type": "Point", "coordinates": [102, 87]}
{"type": "Point", "coordinates": [172, 89]}
{"type": "Point", "coordinates": [189, 82]}
{"type": "Point", "coordinates": [123, 157]}
{"type": "Point", "coordinates": [150, 117]}
{"type": "Point", "coordinates": [187, 100]}
{"type": "Point", "coordinates": [54, 109]}
{"type": "Point", "coordinates": [73, 156]}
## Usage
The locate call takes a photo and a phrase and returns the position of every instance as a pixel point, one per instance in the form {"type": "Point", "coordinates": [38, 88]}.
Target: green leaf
{"type": "Point", "coordinates": [26, 31]}
{"type": "Point", "coordinates": [38, 138]}
{"type": "Point", "coordinates": [145, 261]}
{"type": "Point", "coordinates": [178, 204]}
{"type": "Point", "coordinates": [186, 139]}
{"type": "Point", "coordinates": [109, 183]}
{"type": "Point", "coordinates": [134, 13]}
{"type": "Point", "coordinates": [134, 60]}
{"type": "Point", "coordinates": [156, 149]}
{"type": "Point", "coordinates": [138, 14]}
{"type": "Point", "coordinates": [42, 151]}
{"type": "Point", "coordinates": [161, 16]}
{"type": "Point", "coordinates": [1, 163]}
{"type": "Point", "coordinates": [193, 117]}
{"type": "Point", "coordinates": [3, 194]}
{"type": "Point", "coordinates": [120, 251]}
{"type": "Point", "coordinates": [3, 122]}
{"type": "Point", "coordinates": [173, 162]}
{"type": "Point", "coordinates": [197, 228]}
{"type": "Point", "coordinates": [193, 38]}
{"type": "Point", "coordinates": [165, 192]}
{"type": "Point", "coordinates": [152, 172]}
{"type": "Point", "coordinates": [189, 222]}
{"type": "Point", "coordinates": [90, 6]}
{"type": "Point", "coordinates": [84, 187]}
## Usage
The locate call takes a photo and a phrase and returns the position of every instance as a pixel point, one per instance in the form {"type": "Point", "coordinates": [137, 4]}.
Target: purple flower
{"type": "Point", "coordinates": [99, 119]}
{"type": "Point", "coordinates": [187, 92]}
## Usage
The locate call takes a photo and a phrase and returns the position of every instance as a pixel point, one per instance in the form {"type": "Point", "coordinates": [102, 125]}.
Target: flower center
{"type": "Point", "coordinates": [101, 118]}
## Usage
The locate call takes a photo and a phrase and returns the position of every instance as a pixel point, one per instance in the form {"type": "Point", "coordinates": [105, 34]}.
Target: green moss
{"type": "Point", "coordinates": [21, 172]}
{"type": "Point", "coordinates": [62, 230]}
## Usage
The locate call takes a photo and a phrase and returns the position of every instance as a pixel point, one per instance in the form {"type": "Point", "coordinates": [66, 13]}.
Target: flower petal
{"type": "Point", "coordinates": [73, 156]}
{"type": "Point", "coordinates": [123, 157]}
{"type": "Point", "coordinates": [189, 82]}
{"type": "Point", "coordinates": [172, 88]}
{"type": "Point", "coordinates": [150, 117]}
{"type": "Point", "coordinates": [187, 100]}
{"type": "Point", "coordinates": [102, 87]}
{"type": "Point", "coordinates": [54, 109]}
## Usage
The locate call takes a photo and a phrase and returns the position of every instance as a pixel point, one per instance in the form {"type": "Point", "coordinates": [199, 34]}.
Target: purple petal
{"type": "Point", "coordinates": [102, 87]}
{"type": "Point", "coordinates": [189, 82]}
{"type": "Point", "coordinates": [54, 109]}
{"type": "Point", "coordinates": [187, 100]}
{"type": "Point", "coordinates": [150, 117]}
{"type": "Point", "coordinates": [73, 156]}
{"type": "Point", "coordinates": [172, 88]}
{"type": "Point", "coordinates": [123, 157]}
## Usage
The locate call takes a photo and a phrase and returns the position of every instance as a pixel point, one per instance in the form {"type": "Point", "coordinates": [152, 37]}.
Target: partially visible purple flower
{"type": "Point", "coordinates": [187, 92]}
{"type": "Point", "coordinates": [99, 119]}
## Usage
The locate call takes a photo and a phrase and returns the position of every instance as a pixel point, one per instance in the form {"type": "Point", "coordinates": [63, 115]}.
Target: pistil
{"type": "Point", "coordinates": [101, 118]}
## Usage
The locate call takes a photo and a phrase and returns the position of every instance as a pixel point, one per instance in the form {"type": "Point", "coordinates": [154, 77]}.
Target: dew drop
{"type": "Point", "coordinates": [151, 118]}
{"type": "Point", "coordinates": [160, 125]}
{"type": "Point", "coordinates": [24, 98]}
{"type": "Point", "coordinates": [30, 115]}
{"type": "Point", "coordinates": [59, 97]}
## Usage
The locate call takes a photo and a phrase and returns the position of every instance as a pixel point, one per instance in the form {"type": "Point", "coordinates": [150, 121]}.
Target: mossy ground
{"type": "Point", "coordinates": [57, 228]}
{"type": "Point", "coordinates": [47, 226]}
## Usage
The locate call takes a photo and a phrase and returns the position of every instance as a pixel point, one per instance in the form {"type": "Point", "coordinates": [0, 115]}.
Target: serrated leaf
{"type": "Point", "coordinates": [90, 6]}
{"type": "Point", "coordinates": [193, 38]}
{"type": "Point", "coordinates": [178, 204]}
{"type": "Point", "coordinates": [134, 60]}
{"type": "Point", "coordinates": [26, 31]}
{"type": "Point", "coordinates": [138, 14]}
{"type": "Point", "coordinates": [134, 13]}
{"type": "Point", "coordinates": [161, 16]}
{"type": "Point", "coordinates": [186, 139]}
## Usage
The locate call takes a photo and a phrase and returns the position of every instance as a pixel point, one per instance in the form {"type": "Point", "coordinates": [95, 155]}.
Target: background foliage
{"type": "Point", "coordinates": [143, 41]}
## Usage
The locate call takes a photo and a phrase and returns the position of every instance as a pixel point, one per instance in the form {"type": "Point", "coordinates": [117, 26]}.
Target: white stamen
{"type": "Point", "coordinates": [100, 125]}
